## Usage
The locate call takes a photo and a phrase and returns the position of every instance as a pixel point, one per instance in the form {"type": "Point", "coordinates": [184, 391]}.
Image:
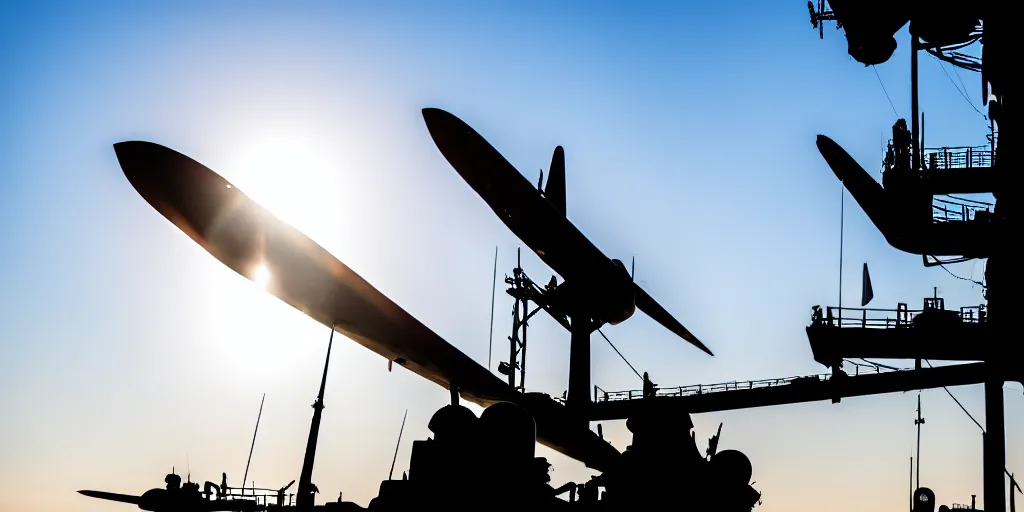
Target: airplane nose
{"type": "Point", "coordinates": [137, 159]}
{"type": "Point", "coordinates": [833, 153]}
{"type": "Point", "coordinates": [438, 121]}
{"type": "Point", "coordinates": [128, 155]}
{"type": "Point", "coordinates": [431, 114]}
{"type": "Point", "coordinates": [159, 174]}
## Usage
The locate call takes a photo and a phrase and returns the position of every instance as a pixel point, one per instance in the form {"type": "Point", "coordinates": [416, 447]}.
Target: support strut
{"type": "Point", "coordinates": [305, 498]}
{"type": "Point", "coordinates": [994, 449]}
{"type": "Point", "coordinates": [578, 395]}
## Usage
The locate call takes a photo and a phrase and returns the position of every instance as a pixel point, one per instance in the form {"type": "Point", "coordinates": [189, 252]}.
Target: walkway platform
{"type": "Point", "coordinates": [931, 332]}
{"type": "Point", "coordinates": [746, 395]}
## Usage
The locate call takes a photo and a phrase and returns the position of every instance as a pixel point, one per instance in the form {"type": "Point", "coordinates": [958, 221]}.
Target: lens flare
{"type": "Point", "coordinates": [261, 276]}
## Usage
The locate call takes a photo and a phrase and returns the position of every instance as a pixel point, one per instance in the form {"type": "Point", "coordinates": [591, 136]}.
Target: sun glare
{"type": "Point", "coordinates": [290, 176]}
{"type": "Point", "coordinates": [261, 276]}
{"type": "Point", "coordinates": [298, 177]}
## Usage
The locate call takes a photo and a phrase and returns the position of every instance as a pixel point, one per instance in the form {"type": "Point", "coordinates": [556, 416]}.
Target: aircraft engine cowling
{"type": "Point", "coordinates": [619, 298]}
{"type": "Point", "coordinates": [608, 296]}
{"type": "Point", "coordinates": [614, 300]}
{"type": "Point", "coordinates": [154, 500]}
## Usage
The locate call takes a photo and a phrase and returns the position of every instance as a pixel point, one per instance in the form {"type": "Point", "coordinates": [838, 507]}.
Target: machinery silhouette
{"type": "Point", "coordinates": [469, 460]}
{"type": "Point", "coordinates": [908, 209]}
{"type": "Point", "coordinates": [489, 461]}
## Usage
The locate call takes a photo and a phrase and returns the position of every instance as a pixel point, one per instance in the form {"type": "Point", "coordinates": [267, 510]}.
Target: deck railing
{"type": "Point", "coordinates": [963, 157]}
{"type": "Point", "coordinates": [874, 318]}
{"type": "Point", "coordinates": [600, 395]}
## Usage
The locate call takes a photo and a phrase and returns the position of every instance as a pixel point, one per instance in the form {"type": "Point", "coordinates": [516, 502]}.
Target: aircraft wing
{"type": "Point", "coordinates": [654, 310]}
{"type": "Point", "coordinates": [245, 236]}
{"type": "Point", "coordinates": [534, 219]}
{"type": "Point", "coordinates": [112, 496]}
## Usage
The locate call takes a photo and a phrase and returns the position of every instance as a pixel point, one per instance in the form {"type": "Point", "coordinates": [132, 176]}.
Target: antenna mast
{"type": "Point", "coordinates": [819, 16]}
{"type": "Point", "coordinates": [305, 497]}
{"type": "Point", "coordinates": [911, 484]}
{"type": "Point", "coordinates": [246, 475]}
{"type": "Point", "coordinates": [494, 288]}
{"type": "Point", "coordinates": [842, 222]}
{"type": "Point", "coordinates": [919, 421]}
{"type": "Point", "coordinates": [397, 444]}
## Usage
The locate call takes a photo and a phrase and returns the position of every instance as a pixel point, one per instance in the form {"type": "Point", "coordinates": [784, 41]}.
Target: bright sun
{"type": "Point", "coordinates": [298, 176]}
{"type": "Point", "coordinates": [261, 276]}
{"type": "Point", "coordinates": [289, 175]}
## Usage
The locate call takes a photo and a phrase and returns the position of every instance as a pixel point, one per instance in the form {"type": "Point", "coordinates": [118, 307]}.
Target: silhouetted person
{"type": "Point", "coordinates": [650, 389]}
{"type": "Point", "coordinates": [901, 141]}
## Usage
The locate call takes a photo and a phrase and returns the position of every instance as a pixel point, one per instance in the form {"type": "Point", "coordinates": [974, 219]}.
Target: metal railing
{"type": "Point", "coordinates": [601, 395]}
{"type": "Point", "coordinates": [954, 209]}
{"type": "Point", "coordinates": [963, 157]}
{"type": "Point", "coordinates": [872, 318]}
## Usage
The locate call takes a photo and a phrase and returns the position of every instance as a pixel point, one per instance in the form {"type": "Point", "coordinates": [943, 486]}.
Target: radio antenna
{"type": "Point", "coordinates": [494, 288]}
{"type": "Point", "coordinates": [399, 443]}
{"type": "Point", "coordinates": [246, 475]}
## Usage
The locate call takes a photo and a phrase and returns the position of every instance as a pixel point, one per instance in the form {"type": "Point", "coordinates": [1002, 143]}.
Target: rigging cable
{"type": "Point", "coordinates": [960, 79]}
{"type": "Point", "coordinates": [880, 365]}
{"type": "Point", "coordinates": [964, 409]}
{"type": "Point", "coordinates": [950, 272]}
{"type": "Point", "coordinates": [619, 353]}
{"type": "Point", "coordinates": [950, 393]}
{"type": "Point", "coordinates": [884, 91]}
{"type": "Point", "coordinates": [982, 203]}
{"type": "Point", "coordinates": [962, 93]}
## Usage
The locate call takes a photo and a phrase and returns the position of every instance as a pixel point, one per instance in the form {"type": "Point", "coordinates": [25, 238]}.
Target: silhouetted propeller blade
{"type": "Point", "coordinates": [112, 496]}
{"type": "Point", "coordinates": [246, 237]}
{"type": "Point", "coordinates": [541, 225]}
{"type": "Point", "coordinates": [645, 303]}
{"type": "Point", "coordinates": [868, 193]}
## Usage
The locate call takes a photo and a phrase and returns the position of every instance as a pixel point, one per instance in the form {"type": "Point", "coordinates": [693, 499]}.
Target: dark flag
{"type": "Point", "coordinates": [866, 293]}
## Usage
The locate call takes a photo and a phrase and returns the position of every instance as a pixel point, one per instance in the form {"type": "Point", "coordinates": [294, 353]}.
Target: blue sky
{"type": "Point", "coordinates": [689, 137]}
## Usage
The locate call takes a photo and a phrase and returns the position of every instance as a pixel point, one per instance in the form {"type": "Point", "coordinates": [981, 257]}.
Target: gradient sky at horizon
{"type": "Point", "coordinates": [689, 137]}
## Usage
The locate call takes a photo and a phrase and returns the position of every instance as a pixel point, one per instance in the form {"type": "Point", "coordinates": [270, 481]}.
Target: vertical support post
{"type": "Point", "coordinates": [522, 346]}
{"type": "Point", "coordinates": [991, 142]}
{"type": "Point", "coordinates": [842, 219]}
{"type": "Point", "coordinates": [305, 498]}
{"type": "Point", "coordinates": [513, 344]}
{"type": "Point", "coordinates": [521, 290]}
{"type": "Point", "coordinates": [994, 449]}
{"type": "Point", "coordinates": [922, 144]}
{"type": "Point", "coordinates": [915, 135]}
{"type": "Point", "coordinates": [519, 313]}
{"type": "Point", "coordinates": [578, 394]}
{"type": "Point", "coordinates": [919, 421]}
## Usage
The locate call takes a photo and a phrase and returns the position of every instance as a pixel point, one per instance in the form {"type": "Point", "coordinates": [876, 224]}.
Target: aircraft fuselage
{"type": "Point", "coordinates": [596, 279]}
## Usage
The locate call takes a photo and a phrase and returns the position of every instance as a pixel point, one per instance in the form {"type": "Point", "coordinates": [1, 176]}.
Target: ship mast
{"type": "Point", "coordinates": [915, 123]}
{"type": "Point", "coordinates": [304, 500]}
